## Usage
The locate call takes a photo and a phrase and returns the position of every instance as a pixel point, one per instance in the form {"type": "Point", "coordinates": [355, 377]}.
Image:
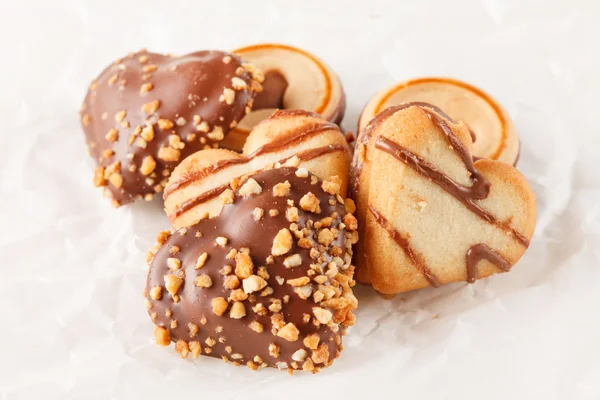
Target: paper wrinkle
{"type": "Point", "coordinates": [74, 321]}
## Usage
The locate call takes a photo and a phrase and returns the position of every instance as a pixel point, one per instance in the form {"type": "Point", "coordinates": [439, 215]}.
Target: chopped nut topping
{"type": "Point", "coordinates": [231, 282]}
{"type": "Point", "coordinates": [151, 107]}
{"type": "Point", "coordinates": [181, 348]}
{"type": "Point", "coordinates": [280, 280]}
{"type": "Point", "coordinates": [237, 310]}
{"type": "Point", "coordinates": [226, 59]}
{"type": "Point", "coordinates": [169, 154]}
{"type": "Point", "coordinates": [321, 354]}
{"type": "Point", "coordinates": [228, 96]}
{"type": "Point", "coordinates": [311, 341]}
{"type": "Point", "coordinates": [226, 270]}
{"type": "Point", "coordinates": [350, 221]}
{"type": "Point", "coordinates": [140, 142]}
{"type": "Point", "coordinates": [256, 326]}
{"type": "Point", "coordinates": [221, 241]}
{"type": "Point", "coordinates": [156, 293]}
{"type": "Point", "coordinates": [325, 237]}
{"type": "Point", "coordinates": [231, 255]}
{"type": "Point", "coordinates": [273, 212]}
{"type": "Point", "coordinates": [302, 173]}
{"type": "Point", "coordinates": [173, 283]}
{"type": "Point", "coordinates": [201, 260]}
{"type": "Point", "coordinates": [299, 281]}
{"type": "Point", "coordinates": [193, 329]}
{"type": "Point", "coordinates": [195, 348]}
{"type": "Point", "coordinates": [250, 187]}
{"type": "Point", "coordinates": [274, 350]}
{"type": "Point", "coordinates": [203, 281]}
{"type": "Point", "coordinates": [322, 315]}
{"type": "Point", "coordinates": [282, 189]}
{"type": "Point", "coordinates": [253, 284]}
{"type": "Point", "coordinates": [202, 127]}
{"type": "Point", "coordinates": [162, 336]}
{"type": "Point", "coordinates": [85, 120]}
{"type": "Point", "coordinates": [299, 355]}
{"type": "Point", "coordinates": [293, 261]}
{"type": "Point", "coordinates": [164, 124]}
{"type": "Point", "coordinates": [148, 165]}
{"type": "Point", "coordinates": [99, 177]}
{"type": "Point", "coordinates": [292, 214]}
{"type": "Point", "coordinates": [258, 213]}
{"type": "Point", "coordinates": [238, 83]}
{"type": "Point", "coordinates": [112, 135]}
{"type": "Point", "coordinates": [146, 87]}
{"type": "Point", "coordinates": [304, 292]}
{"type": "Point", "coordinates": [116, 179]}
{"type": "Point", "coordinates": [227, 197]}
{"type": "Point", "coordinates": [238, 294]}
{"type": "Point", "coordinates": [149, 68]}
{"type": "Point", "coordinates": [219, 305]}
{"type": "Point", "coordinates": [173, 263]}
{"type": "Point", "coordinates": [210, 342]}
{"type": "Point", "coordinates": [349, 206]}
{"type": "Point", "coordinates": [333, 185]}
{"type": "Point", "coordinates": [289, 332]}
{"type": "Point", "coordinates": [216, 134]}
{"type": "Point", "coordinates": [148, 133]}
{"type": "Point", "coordinates": [308, 365]}
{"type": "Point", "coordinates": [275, 305]}
{"type": "Point", "coordinates": [282, 242]}
{"type": "Point", "coordinates": [120, 116]}
{"type": "Point", "coordinates": [244, 267]}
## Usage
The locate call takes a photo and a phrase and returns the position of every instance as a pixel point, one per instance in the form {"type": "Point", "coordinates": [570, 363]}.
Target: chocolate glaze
{"type": "Point", "coordinates": [480, 252]}
{"type": "Point", "coordinates": [299, 133]}
{"type": "Point", "coordinates": [215, 192]}
{"type": "Point", "coordinates": [237, 224]}
{"type": "Point", "coordinates": [186, 86]}
{"type": "Point", "coordinates": [416, 258]}
{"type": "Point", "coordinates": [274, 88]}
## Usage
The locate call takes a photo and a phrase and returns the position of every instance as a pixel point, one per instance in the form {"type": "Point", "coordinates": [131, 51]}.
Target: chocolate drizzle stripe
{"type": "Point", "coordinates": [480, 252]}
{"type": "Point", "coordinates": [466, 195]}
{"type": "Point", "coordinates": [215, 192]}
{"type": "Point", "coordinates": [302, 132]}
{"type": "Point", "coordinates": [404, 244]}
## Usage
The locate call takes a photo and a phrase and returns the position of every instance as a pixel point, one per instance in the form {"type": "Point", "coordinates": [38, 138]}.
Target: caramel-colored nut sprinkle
{"type": "Point", "coordinates": [237, 310]}
{"type": "Point", "coordinates": [175, 142]}
{"type": "Point", "coordinates": [162, 336]}
{"type": "Point", "coordinates": [349, 205]}
{"type": "Point", "coordinates": [253, 284]}
{"type": "Point", "coordinates": [260, 309]}
{"type": "Point", "coordinates": [156, 293]}
{"type": "Point", "coordinates": [227, 197]}
{"type": "Point", "coordinates": [299, 281]}
{"type": "Point", "coordinates": [163, 236]}
{"type": "Point", "coordinates": [282, 189]}
{"type": "Point", "coordinates": [181, 348]}
{"type": "Point", "coordinates": [173, 283]}
{"type": "Point", "coordinates": [216, 134]}
{"type": "Point", "coordinates": [173, 263]}
{"type": "Point", "coordinates": [238, 83]}
{"type": "Point", "coordinates": [228, 96]}
{"type": "Point", "coordinates": [262, 272]}
{"type": "Point", "coordinates": [299, 355]}
{"type": "Point", "coordinates": [274, 350]}
{"type": "Point", "coordinates": [238, 294]}
{"type": "Point", "coordinates": [333, 185]}
{"type": "Point", "coordinates": [141, 142]}
{"type": "Point", "coordinates": [325, 237]}
{"type": "Point", "coordinates": [203, 281]}
{"type": "Point", "coordinates": [195, 348]}
{"type": "Point", "coordinates": [289, 332]}
{"type": "Point", "coordinates": [309, 202]}
{"type": "Point", "coordinates": [226, 59]}
{"type": "Point", "coordinates": [201, 260]}
{"type": "Point", "coordinates": [112, 135]}
{"type": "Point", "coordinates": [231, 282]}
{"type": "Point", "coordinates": [312, 341]}
{"type": "Point", "coordinates": [219, 305]}
{"type": "Point", "coordinates": [169, 154]}
{"type": "Point", "coordinates": [148, 133]}
{"type": "Point", "coordinates": [193, 329]}
{"type": "Point", "coordinates": [321, 354]}
{"type": "Point", "coordinates": [116, 179]}
{"type": "Point", "coordinates": [231, 255]}
{"type": "Point", "coordinates": [120, 115]}
{"type": "Point", "coordinates": [308, 365]}
{"type": "Point", "coordinates": [221, 241]}
{"type": "Point", "coordinates": [210, 341]}
{"type": "Point", "coordinates": [292, 214]}
{"type": "Point", "coordinates": [258, 213]}
{"type": "Point", "coordinates": [143, 59]}
{"type": "Point", "coordinates": [293, 261]}
{"type": "Point", "coordinates": [108, 153]}
{"type": "Point", "coordinates": [99, 177]}
{"type": "Point", "coordinates": [226, 270]}
{"type": "Point", "coordinates": [149, 68]}
{"type": "Point", "coordinates": [282, 242]}
{"type": "Point", "coordinates": [250, 187]}
{"type": "Point", "coordinates": [146, 87]}
{"type": "Point", "coordinates": [304, 292]}
{"type": "Point", "coordinates": [148, 165]}
{"type": "Point", "coordinates": [85, 120]}
{"type": "Point", "coordinates": [350, 221]}
{"type": "Point", "coordinates": [256, 326]}
{"type": "Point", "coordinates": [302, 173]}
{"type": "Point", "coordinates": [164, 124]}
{"type": "Point", "coordinates": [322, 315]}
{"type": "Point", "coordinates": [151, 107]}
{"type": "Point", "coordinates": [202, 127]}
{"type": "Point", "coordinates": [244, 267]}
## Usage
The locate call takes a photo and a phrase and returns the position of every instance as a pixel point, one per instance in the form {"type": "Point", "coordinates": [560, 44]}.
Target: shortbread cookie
{"type": "Point", "coordinates": [147, 112]}
{"type": "Point", "coordinates": [294, 79]}
{"type": "Point", "coordinates": [492, 129]}
{"type": "Point", "coordinates": [266, 283]}
{"type": "Point", "coordinates": [428, 214]}
{"type": "Point", "coordinates": [294, 138]}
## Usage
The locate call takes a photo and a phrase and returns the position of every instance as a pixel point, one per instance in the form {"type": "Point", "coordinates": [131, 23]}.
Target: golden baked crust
{"type": "Point", "coordinates": [295, 138]}
{"type": "Point", "coordinates": [424, 208]}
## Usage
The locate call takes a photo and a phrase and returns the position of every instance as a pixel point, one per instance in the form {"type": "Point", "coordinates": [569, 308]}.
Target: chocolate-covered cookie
{"type": "Point", "coordinates": [266, 283]}
{"type": "Point", "coordinates": [147, 112]}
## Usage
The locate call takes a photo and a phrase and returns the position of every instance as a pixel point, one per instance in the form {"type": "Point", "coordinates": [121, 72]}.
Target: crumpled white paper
{"type": "Point", "coordinates": [74, 324]}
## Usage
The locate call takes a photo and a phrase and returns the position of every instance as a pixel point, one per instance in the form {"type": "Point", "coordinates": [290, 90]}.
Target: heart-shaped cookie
{"type": "Point", "coordinates": [147, 112]}
{"type": "Point", "coordinates": [493, 131]}
{"type": "Point", "coordinates": [428, 214]}
{"type": "Point", "coordinates": [294, 80]}
{"type": "Point", "coordinates": [196, 189]}
{"type": "Point", "coordinates": [266, 283]}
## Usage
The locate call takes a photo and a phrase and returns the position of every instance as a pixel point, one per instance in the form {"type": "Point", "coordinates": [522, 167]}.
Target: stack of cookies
{"type": "Point", "coordinates": [273, 210]}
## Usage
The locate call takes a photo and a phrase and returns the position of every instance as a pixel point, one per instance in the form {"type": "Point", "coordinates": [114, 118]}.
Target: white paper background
{"type": "Point", "coordinates": [73, 321]}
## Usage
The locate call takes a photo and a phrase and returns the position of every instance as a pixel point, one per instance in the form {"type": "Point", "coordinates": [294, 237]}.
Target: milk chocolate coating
{"type": "Point", "coordinates": [191, 105]}
{"type": "Point", "coordinates": [274, 88]}
{"type": "Point", "coordinates": [238, 225]}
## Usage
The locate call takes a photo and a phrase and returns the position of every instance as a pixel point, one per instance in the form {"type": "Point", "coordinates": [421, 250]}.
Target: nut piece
{"type": "Point", "coordinates": [99, 177]}
{"type": "Point", "coordinates": [312, 341]}
{"type": "Point", "coordinates": [165, 124]}
{"type": "Point", "coordinates": [195, 348]}
{"type": "Point", "coordinates": [227, 197]}
{"type": "Point", "coordinates": [156, 293]}
{"type": "Point", "coordinates": [238, 294]}
{"type": "Point", "coordinates": [302, 173]}
{"type": "Point", "coordinates": [169, 154]}
{"type": "Point", "coordinates": [250, 187]}
{"type": "Point", "coordinates": [151, 107]}
{"type": "Point", "coordinates": [325, 237]}
{"type": "Point", "coordinates": [203, 281]}
{"type": "Point", "coordinates": [293, 261]}
{"type": "Point", "coordinates": [322, 315]}
{"type": "Point", "coordinates": [282, 242]}
{"type": "Point", "coordinates": [173, 263]}
{"type": "Point", "coordinates": [333, 185]}
{"type": "Point", "coordinates": [219, 305]}
{"type": "Point", "coordinates": [321, 354]}
{"type": "Point", "coordinates": [243, 265]}
{"type": "Point", "coordinates": [181, 348]}
{"type": "Point", "coordinates": [282, 189]}
{"type": "Point", "coordinates": [221, 241]}
{"type": "Point", "coordinates": [148, 165]}
{"type": "Point", "coordinates": [112, 135]}
{"type": "Point", "coordinates": [289, 332]}
{"type": "Point", "coordinates": [162, 336]}
{"type": "Point", "coordinates": [231, 282]}
{"type": "Point", "coordinates": [201, 260]}
{"type": "Point", "coordinates": [310, 202]}
{"type": "Point", "coordinates": [173, 283]}
{"type": "Point", "coordinates": [256, 326]}
{"type": "Point", "coordinates": [274, 350]}
{"type": "Point", "coordinates": [237, 310]}
{"type": "Point", "coordinates": [299, 355]}
{"type": "Point", "coordinates": [257, 213]}
{"type": "Point", "coordinates": [350, 221]}
{"type": "Point", "coordinates": [304, 280]}
{"type": "Point", "coordinates": [253, 284]}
